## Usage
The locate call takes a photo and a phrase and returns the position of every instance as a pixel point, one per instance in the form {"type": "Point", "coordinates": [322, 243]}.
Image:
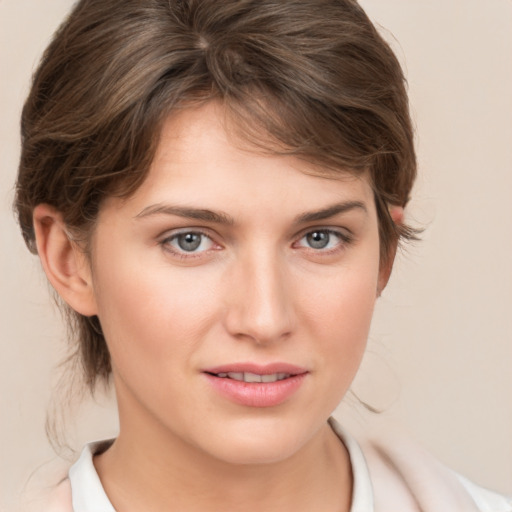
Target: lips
{"type": "Point", "coordinates": [254, 385]}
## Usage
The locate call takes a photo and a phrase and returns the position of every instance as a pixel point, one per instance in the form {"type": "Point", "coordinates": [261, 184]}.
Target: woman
{"type": "Point", "coordinates": [216, 192]}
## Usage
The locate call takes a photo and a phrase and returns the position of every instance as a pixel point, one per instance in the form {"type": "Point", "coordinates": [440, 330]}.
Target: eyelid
{"type": "Point", "coordinates": [172, 232]}
{"type": "Point", "coordinates": [169, 233]}
{"type": "Point", "coordinates": [342, 232]}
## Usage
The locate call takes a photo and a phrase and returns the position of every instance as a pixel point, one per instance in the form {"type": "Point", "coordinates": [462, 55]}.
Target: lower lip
{"type": "Point", "coordinates": [256, 394]}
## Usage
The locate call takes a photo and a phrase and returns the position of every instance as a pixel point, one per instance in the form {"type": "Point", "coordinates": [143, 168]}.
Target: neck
{"type": "Point", "coordinates": [151, 471]}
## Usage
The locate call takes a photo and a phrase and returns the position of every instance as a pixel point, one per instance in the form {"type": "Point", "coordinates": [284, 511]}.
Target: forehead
{"type": "Point", "coordinates": [202, 159]}
{"type": "Point", "coordinates": [208, 134]}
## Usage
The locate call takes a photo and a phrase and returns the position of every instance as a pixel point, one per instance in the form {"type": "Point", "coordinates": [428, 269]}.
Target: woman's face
{"type": "Point", "coordinates": [227, 267]}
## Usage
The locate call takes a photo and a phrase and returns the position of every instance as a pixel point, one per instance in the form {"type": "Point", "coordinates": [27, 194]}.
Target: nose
{"type": "Point", "coordinates": [260, 305]}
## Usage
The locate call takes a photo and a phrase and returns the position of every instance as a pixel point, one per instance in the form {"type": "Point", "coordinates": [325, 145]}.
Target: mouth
{"type": "Point", "coordinates": [250, 377]}
{"type": "Point", "coordinates": [256, 373]}
{"type": "Point", "coordinates": [253, 385]}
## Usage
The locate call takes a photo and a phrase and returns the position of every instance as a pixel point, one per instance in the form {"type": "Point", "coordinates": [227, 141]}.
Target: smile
{"type": "Point", "coordinates": [254, 377]}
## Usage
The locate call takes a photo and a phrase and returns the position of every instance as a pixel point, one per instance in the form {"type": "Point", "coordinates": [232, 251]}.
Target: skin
{"type": "Point", "coordinates": [255, 290]}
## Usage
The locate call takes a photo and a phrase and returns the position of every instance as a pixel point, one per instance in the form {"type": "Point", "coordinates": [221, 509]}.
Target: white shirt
{"type": "Point", "coordinates": [398, 478]}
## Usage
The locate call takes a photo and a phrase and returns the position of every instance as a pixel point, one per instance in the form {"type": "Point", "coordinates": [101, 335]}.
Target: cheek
{"type": "Point", "coordinates": [145, 308]}
{"type": "Point", "coordinates": [339, 314]}
{"type": "Point", "coordinates": [345, 298]}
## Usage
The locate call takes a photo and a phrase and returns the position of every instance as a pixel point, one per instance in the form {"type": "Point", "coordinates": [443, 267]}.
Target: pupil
{"type": "Point", "coordinates": [189, 241]}
{"type": "Point", "coordinates": [318, 239]}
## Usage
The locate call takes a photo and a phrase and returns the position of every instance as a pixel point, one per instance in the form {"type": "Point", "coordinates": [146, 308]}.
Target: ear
{"type": "Point", "coordinates": [65, 265]}
{"type": "Point", "coordinates": [397, 215]}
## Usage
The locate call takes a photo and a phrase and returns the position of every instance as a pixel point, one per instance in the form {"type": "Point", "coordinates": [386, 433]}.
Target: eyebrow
{"type": "Point", "coordinates": [331, 211]}
{"type": "Point", "coordinates": [218, 217]}
{"type": "Point", "coordinates": [186, 212]}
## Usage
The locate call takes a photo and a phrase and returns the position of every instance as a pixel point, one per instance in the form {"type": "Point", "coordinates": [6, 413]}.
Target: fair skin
{"type": "Point", "coordinates": [243, 261]}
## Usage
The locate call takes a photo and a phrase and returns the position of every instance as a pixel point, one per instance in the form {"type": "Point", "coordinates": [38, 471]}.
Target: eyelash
{"type": "Point", "coordinates": [345, 239]}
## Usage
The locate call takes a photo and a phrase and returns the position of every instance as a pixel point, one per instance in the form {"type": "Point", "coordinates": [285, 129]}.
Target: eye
{"type": "Point", "coordinates": [188, 242]}
{"type": "Point", "coordinates": [323, 239]}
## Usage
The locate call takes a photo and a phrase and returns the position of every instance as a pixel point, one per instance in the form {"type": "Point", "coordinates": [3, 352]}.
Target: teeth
{"type": "Point", "coordinates": [254, 377]}
{"type": "Point", "coordinates": [251, 377]}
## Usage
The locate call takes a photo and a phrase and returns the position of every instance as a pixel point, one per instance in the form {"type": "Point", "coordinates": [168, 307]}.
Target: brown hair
{"type": "Point", "coordinates": [311, 78]}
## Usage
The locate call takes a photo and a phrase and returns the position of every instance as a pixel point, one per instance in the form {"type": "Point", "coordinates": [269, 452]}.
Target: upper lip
{"type": "Point", "coordinates": [258, 369]}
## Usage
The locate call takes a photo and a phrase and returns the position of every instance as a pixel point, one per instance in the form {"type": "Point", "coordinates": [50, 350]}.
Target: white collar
{"type": "Point", "coordinates": [362, 490]}
{"type": "Point", "coordinates": [87, 492]}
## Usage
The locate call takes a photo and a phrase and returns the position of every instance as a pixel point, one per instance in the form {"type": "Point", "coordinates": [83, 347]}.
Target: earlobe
{"type": "Point", "coordinates": [65, 265]}
{"type": "Point", "coordinates": [397, 215]}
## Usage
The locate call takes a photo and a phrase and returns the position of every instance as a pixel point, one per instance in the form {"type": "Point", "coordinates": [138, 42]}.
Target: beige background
{"type": "Point", "coordinates": [440, 353]}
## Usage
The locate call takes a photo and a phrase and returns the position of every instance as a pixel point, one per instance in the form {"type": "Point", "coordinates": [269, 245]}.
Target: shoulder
{"type": "Point", "coordinates": [65, 489]}
{"type": "Point", "coordinates": [486, 500]}
{"type": "Point", "coordinates": [403, 468]}
{"type": "Point", "coordinates": [400, 475]}
{"type": "Point", "coordinates": [47, 489]}
{"type": "Point", "coordinates": [51, 499]}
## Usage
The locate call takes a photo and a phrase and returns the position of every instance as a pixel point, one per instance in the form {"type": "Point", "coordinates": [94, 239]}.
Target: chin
{"type": "Point", "coordinates": [268, 441]}
{"type": "Point", "coordinates": [255, 453]}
